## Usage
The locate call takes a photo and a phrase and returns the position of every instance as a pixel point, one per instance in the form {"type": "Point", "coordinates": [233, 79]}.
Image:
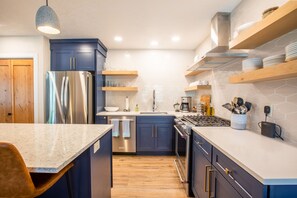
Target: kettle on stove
{"type": "Point", "coordinates": [176, 107]}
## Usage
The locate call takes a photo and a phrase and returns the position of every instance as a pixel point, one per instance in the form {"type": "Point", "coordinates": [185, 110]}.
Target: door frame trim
{"type": "Point", "coordinates": [34, 56]}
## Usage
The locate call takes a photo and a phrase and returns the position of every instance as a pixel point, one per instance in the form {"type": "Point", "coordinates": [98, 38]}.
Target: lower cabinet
{"type": "Point", "coordinates": [200, 168]}
{"type": "Point", "coordinates": [155, 135]}
{"type": "Point", "coordinates": [220, 187]}
{"type": "Point", "coordinates": [218, 176]}
{"type": "Point", "coordinates": [207, 181]}
{"type": "Point", "coordinates": [101, 120]}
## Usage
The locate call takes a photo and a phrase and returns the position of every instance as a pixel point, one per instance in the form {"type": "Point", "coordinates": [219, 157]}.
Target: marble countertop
{"type": "Point", "coordinates": [270, 161]}
{"type": "Point", "coordinates": [134, 113]}
{"type": "Point", "coordinates": [48, 148]}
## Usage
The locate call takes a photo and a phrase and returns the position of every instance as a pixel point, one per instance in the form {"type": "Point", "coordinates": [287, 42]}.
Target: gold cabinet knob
{"type": "Point", "coordinates": [227, 171]}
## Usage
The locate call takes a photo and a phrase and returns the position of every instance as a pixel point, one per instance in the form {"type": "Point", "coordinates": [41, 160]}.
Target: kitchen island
{"type": "Point", "coordinates": [48, 148]}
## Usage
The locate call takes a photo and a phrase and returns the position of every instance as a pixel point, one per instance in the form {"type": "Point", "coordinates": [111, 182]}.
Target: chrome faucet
{"type": "Point", "coordinates": [154, 101]}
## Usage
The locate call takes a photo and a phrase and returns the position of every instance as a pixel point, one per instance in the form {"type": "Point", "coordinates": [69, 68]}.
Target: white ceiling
{"type": "Point", "coordinates": [137, 21]}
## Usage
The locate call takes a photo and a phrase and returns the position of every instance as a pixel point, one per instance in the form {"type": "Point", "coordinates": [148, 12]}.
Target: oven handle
{"type": "Point", "coordinates": [181, 134]}
{"type": "Point", "coordinates": [180, 177]}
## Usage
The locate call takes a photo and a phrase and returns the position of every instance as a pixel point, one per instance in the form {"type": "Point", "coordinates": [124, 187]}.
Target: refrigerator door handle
{"type": "Point", "coordinates": [87, 99]}
{"type": "Point", "coordinates": [66, 95]}
{"type": "Point", "coordinates": [62, 92]}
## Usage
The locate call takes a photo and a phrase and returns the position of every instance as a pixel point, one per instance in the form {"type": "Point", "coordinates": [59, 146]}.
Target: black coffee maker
{"type": "Point", "coordinates": [186, 103]}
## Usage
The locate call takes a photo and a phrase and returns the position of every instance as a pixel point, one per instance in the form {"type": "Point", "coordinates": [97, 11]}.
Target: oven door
{"type": "Point", "coordinates": [182, 148]}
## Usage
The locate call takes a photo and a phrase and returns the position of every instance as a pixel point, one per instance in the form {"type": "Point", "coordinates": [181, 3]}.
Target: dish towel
{"type": "Point", "coordinates": [126, 128]}
{"type": "Point", "coordinates": [115, 127]}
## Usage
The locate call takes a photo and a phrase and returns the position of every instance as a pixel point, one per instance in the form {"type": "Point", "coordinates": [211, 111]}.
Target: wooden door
{"type": "Point", "coordinates": [5, 92]}
{"type": "Point", "coordinates": [16, 91]}
{"type": "Point", "coordinates": [23, 91]}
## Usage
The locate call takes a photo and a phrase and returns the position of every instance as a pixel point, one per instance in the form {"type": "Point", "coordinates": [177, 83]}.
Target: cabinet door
{"type": "Point", "coordinates": [163, 137]}
{"type": "Point", "coordinates": [200, 168]}
{"type": "Point", "coordinates": [221, 188]}
{"type": "Point", "coordinates": [61, 60]}
{"type": "Point", "coordinates": [101, 120]}
{"type": "Point", "coordinates": [84, 60]}
{"type": "Point", "coordinates": [145, 137]}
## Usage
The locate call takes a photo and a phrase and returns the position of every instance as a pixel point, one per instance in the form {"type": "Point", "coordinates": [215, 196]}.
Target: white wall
{"type": "Point", "coordinates": [280, 94]}
{"type": "Point", "coordinates": [162, 70]}
{"type": "Point", "coordinates": [36, 47]}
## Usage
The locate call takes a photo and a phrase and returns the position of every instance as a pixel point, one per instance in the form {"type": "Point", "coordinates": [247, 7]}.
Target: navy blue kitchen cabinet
{"type": "Point", "coordinates": [91, 175]}
{"type": "Point", "coordinates": [200, 166]}
{"type": "Point", "coordinates": [145, 137]}
{"type": "Point", "coordinates": [75, 54]}
{"type": "Point", "coordinates": [155, 135]}
{"type": "Point", "coordinates": [101, 120]}
{"type": "Point", "coordinates": [221, 177]}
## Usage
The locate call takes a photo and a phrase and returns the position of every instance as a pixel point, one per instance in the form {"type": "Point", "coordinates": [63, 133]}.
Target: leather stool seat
{"type": "Point", "coordinates": [15, 179]}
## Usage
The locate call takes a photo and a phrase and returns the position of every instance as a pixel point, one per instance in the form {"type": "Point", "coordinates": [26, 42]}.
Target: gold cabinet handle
{"type": "Point", "coordinates": [209, 182]}
{"type": "Point", "coordinates": [205, 178]}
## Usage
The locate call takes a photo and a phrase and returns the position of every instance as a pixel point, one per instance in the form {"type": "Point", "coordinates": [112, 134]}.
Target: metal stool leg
{"type": "Point", "coordinates": [69, 186]}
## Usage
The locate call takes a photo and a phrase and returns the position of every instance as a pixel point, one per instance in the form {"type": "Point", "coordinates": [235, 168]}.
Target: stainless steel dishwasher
{"type": "Point", "coordinates": [122, 144]}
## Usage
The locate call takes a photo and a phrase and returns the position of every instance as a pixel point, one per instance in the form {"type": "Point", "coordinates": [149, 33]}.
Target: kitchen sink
{"type": "Point", "coordinates": [152, 112]}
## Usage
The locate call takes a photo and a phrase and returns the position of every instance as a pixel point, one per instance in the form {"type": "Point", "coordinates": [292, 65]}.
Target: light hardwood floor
{"type": "Point", "coordinates": [145, 176]}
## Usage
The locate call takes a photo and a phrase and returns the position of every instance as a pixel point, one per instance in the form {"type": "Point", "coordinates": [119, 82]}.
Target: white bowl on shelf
{"type": "Point", "coordinates": [112, 109]}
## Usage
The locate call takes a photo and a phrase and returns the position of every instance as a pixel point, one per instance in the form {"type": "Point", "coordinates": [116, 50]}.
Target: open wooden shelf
{"type": "Point", "coordinates": [280, 22]}
{"type": "Point", "coordinates": [198, 87]}
{"type": "Point", "coordinates": [281, 71]}
{"type": "Point", "coordinates": [119, 73]}
{"type": "Point", "coordinates": [194, 73]}
{"type": "Point", "coordinates": [119, 89]}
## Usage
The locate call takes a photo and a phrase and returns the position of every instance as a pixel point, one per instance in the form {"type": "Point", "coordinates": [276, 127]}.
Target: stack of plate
{"type": "Point", "coordinates": [291, 52]}
{"type": "Point", "coordinates": [274, 60]}
{"type": "Point", "coordinates": [251, 64]}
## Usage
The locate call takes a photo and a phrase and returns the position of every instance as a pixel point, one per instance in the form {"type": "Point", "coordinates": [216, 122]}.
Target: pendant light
{"type": "Point", "coordinates": [47, 20]}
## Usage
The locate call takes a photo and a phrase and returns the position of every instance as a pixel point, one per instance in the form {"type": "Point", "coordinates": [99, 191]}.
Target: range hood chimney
{"type": "Point", "coordinates": [220, 32]}
{"type": "Point", "coordinates": [219, 54]}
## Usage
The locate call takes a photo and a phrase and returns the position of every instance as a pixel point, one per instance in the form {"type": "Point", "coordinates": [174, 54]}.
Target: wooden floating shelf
{"type": "Point", "coordinates": [280, 22]}
{"type": "Point", "coordinates": [198, 87]}
{"type": "Point", "coordinates": [119, 89]}
{"type": "Point", "coordinates": [194, 73]}
{"type": "Point", "coordinates": [119, 73]}
{"type": "Point", "coordinates": [281, 71]}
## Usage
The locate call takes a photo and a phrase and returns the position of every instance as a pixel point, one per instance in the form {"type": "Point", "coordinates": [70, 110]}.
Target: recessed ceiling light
{"type": "Point", "coordinates": [154, 43]}
{"type": "Point", "coordinates": [118, 38]}
{"type": "Point", "coordinates": [175, 38]}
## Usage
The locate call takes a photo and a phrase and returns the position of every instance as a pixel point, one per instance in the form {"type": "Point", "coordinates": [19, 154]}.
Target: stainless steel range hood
{"type": "Point", "coordinates": [219, 54]}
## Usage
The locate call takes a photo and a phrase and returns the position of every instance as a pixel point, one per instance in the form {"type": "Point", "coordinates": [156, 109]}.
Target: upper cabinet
{"type": "Point", "coordinates": [278, 23]}
{"type": "Point", "coordinates": [76, 54]}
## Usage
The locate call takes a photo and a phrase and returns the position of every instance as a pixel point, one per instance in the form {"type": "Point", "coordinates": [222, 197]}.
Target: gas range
{"type": "Point", "coordinates": [183, 127]}
{"type": "Point", "coordinates": [185, 123]}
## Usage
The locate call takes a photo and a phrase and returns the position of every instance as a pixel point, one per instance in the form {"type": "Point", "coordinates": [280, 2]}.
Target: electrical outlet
{"type": "Point", "coordinates": [271, 110]}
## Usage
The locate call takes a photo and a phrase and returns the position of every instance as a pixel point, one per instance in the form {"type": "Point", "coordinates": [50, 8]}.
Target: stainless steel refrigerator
{"type": "Point", "coordinates": [69, 97]}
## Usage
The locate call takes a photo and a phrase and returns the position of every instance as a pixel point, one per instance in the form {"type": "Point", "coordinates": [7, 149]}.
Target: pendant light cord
{"type": "Point", "coordinates": [46, 2]}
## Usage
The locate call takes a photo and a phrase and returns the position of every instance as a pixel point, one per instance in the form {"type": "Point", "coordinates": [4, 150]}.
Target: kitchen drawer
{"type": "Point", "coordinates": [202, 145]}
{"type": "Point", "coordinates": [241, 180]}
{"type": "Point", "coordinates": [155, 119]}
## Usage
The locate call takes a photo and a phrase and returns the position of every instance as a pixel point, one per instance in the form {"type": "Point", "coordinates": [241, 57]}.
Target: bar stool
{"type": "Point", "coordinates": [15, 179]}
